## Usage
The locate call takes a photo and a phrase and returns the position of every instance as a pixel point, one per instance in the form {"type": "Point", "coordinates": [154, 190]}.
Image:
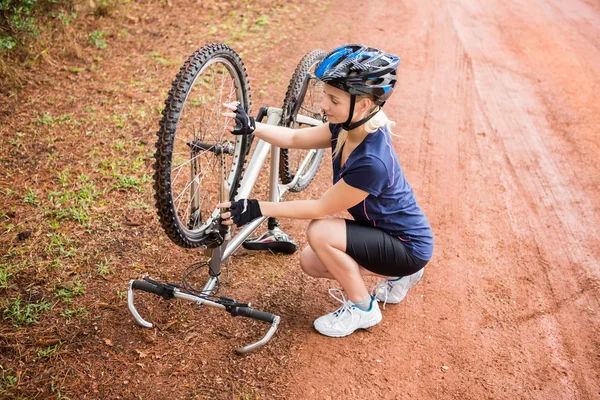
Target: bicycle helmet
{"type": "Point", "coordinates": [360, 70]}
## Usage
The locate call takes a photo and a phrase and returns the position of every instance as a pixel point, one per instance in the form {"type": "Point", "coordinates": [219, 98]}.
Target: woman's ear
{"type": "Point", "coordinates": [364, 105]}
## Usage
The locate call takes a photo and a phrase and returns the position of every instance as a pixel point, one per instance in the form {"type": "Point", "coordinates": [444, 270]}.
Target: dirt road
{"type": "Point", "coordinates": [499, 126]}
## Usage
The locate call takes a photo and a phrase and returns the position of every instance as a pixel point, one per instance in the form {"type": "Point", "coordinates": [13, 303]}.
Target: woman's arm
{"type": "Point", "coordinates": [339, 197]}
{"type": "Point", "coordinates": [318, 137]}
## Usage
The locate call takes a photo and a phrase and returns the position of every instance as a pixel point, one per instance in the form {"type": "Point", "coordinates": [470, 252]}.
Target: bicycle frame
{"type": "Point", "coordinates": [276, 190]}
{"type": "Point", "coordinates": [221, 254]}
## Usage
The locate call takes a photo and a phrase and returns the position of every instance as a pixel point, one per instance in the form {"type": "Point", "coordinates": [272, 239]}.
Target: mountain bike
{"type": "Point", "coordinates": [199, 164]}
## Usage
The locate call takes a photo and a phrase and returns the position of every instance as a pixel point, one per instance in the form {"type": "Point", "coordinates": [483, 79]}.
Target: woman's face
{"type": "Point", "coordinates": [336, 104]}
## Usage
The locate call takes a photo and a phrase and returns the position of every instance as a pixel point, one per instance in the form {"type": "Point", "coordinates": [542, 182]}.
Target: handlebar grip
{"type": "Point", "coordinates": [262, 112]}
{"type": "Point", "coordinates": [161, 291]}
{"type": "Point", "coordinates": [254, 314]}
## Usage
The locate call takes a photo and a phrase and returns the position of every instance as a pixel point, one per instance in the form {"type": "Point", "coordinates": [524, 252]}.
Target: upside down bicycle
{"type": "Point", "coordinates": [199, 164]}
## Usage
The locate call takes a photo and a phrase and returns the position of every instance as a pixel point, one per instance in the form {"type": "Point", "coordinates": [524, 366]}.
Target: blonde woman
{"type": "Point", "coordinates": [390, 236]}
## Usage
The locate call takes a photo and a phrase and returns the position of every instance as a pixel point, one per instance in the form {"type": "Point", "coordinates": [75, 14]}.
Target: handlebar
{"type": "Point", "coordinates": [162, 291]}
{"type": "Point", "coordinates": [254, 314]}
{"type": "Point", "coordinates": [168, 291]}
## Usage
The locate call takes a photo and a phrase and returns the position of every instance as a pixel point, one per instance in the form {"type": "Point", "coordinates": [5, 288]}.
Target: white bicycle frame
{"type": "Point", "coordinates": [276, 190]}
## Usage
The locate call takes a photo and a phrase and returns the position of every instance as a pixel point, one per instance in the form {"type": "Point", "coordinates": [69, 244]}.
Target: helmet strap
{"type": "Point", "coordinates": [346, 125]}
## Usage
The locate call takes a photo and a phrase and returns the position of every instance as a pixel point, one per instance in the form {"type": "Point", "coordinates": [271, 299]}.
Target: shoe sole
{"type": "Point", "coordinates": [349, 333]}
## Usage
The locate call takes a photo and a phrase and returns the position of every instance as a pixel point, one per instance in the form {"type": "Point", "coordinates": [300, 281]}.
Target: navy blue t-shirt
{"type": "Point", "coordinates": [391, 205]}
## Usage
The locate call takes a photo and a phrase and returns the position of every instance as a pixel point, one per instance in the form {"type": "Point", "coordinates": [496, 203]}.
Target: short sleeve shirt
{"type": "Point", "coordinates": [373, 166]}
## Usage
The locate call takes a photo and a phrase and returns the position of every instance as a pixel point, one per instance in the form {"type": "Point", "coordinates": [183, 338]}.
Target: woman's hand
{"type": "Point", "coordinates": [245, 124]}
{"type": "Point", "coordinates": [240, 212]}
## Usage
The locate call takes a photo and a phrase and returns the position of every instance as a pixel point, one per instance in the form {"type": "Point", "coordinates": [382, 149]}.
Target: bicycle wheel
{"type": "Point", "coordinates": [303, 98]}
{"type": "Point", "coordinates": [198, 163]}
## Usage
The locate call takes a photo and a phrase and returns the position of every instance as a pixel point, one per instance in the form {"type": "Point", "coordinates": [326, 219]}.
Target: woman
{"type": "Point", "coordinates": [390, 236]}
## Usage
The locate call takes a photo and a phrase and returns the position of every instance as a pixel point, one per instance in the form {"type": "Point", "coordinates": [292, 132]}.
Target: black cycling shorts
{"type": "Point", "coordinates": [379, 252]}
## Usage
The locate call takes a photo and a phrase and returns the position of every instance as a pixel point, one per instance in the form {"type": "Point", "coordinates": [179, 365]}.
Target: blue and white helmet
{"type": "Point", "coordinates": [360, 70]}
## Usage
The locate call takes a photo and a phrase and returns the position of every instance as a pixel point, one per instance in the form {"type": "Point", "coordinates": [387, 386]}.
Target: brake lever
{"type": "Point", "coordinates": [263, 341]}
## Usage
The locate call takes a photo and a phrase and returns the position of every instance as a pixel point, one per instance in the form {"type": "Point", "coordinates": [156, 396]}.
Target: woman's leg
{"type": "Point", "coordinates": [327, 239]}
{"type": "Point", "coordinates": [311, 265]}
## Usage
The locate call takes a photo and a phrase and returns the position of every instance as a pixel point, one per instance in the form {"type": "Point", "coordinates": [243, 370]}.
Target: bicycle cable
{"type": "Point", "coordinates": [192, 268]}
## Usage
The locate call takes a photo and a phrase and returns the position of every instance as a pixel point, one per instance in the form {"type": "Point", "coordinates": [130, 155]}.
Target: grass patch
{"type": "Point", "coordinates": [48, 351]}
{"type": "Point", "coordinates": [60, 245]}
{"type": "Point", "coordinates": [7, 379]}
{"type": "Point", "coordinates": [23, 315]}
{"type": "Point", "coordinates": [4, 277]}
{"type": "Point", "coordinates": [79, 312]}
{"type": "Point", "coordinates": [97, 40]}
{"type": "Point", "coordinates": [69, 290]}
{"type": "Point", "coordinates": [103, 267]}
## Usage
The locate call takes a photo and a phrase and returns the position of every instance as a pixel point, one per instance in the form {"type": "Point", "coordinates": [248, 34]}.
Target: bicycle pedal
{"type": "Point", "coordinates": [274, 240]}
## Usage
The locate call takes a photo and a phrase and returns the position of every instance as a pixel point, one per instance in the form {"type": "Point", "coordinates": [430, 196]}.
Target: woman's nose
{"type": "Point", "coordinates": [323, 104]}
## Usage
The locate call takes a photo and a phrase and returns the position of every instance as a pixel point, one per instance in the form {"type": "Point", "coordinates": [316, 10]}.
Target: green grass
{"type": "Point", "coordinates": [68, 291]}
{"type": "Point", "coordinates": [103, 267]}
{"type": "Point", "coordinates": [23, 314]}
{"type": "Point", "coordinates": [7, 379]}
{"type": "Point", "coordinates": [155, 56]}
{"type": "Point", "coordinates": [48, 351]}
{"type": "Point", "coordinates": [131, 182]}
{"type": "Point", "coordinates": [96, 39]}
{"type": "Point", "coordinates": [60, 245]}
{"type": "Point", "coordinates": [31, 197]}
{"type": "Point", "coordinates": [79, 312]}
{"type": "Point", "coordinates": [4, 277]}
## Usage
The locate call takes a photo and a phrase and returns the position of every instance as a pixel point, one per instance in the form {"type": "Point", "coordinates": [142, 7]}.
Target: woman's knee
{"type": "Point", "coordinates": [325, 231]}
{"type": "Point", "coordinates": [307, 261]}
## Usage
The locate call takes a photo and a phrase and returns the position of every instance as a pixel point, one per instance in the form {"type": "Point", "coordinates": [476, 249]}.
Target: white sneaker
{"type": "Point", "coordinates": [394, 292]}
{"type": "Point", "coordinates": [347, 318]}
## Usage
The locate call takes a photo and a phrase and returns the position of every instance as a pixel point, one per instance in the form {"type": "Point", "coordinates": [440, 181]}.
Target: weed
{"type": "Point", "coordinates": [104, 267]}
{"type": "Point", "coordinates": [121, 294]}
{"type": "Point", "coordinates": [96, 39]}
{"type": "Point", "coordinates": [48, 351]}
{"type": "Point", "coordinates": [79, 312]}
{"type": "Point", "coordinates": [31, 197]}
{"type": "Point", "coordinates": [131, 182]}
{"type": "Point", "coordinates": [4, 276]}
{"type": "Point", "coordinates": [70, 290]}
{"type": "Point", "coordinates": [159, 59]}
{"type": "Point", "coordinates": [262, 20]}
{"type": "Point", "coordinates": [7, 379]}
{"type": "Point", "coordinates": [15, 142]}
{"type": "Point", "coordinates": [26, 315]}
{"type": "Point", "coordinates": [63, 177]}
{"type": "Point", "coordinates": [60, 245]}
{"type": "Point", "coordinates": [47, 119]}
{"type": "Point", "coordinates": [138, 204]}
{"type": "Point", "coordinates": [53, 224]}
{"type": "Point", "coordinates": [75, 70]}
{"type": "Point", "coordinates": [66, 19]}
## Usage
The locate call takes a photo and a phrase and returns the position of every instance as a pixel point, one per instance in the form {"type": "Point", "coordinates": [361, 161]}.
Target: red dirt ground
{"type": "Point", "coordinates": [498, 127]}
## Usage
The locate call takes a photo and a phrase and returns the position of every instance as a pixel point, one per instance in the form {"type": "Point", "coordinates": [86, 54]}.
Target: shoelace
{"type": "Point", "coordinates": [347, 305]}
{"type": "Point", "coordinates": [383, 284]}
